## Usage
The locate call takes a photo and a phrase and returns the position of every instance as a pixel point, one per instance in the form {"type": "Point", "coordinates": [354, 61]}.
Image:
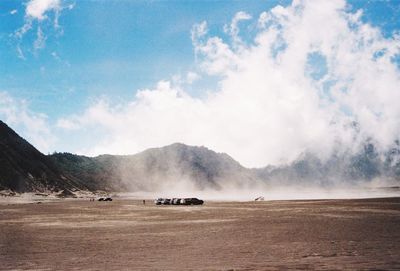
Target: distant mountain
{"type": "Point", "coordinates": [23, 168]}
{"type": "Point", "coordinates": [97, 173]}
{"type": "Point", "coordinates": [197, 166]}
{"type": "Point", "coordinates": [157, 168]}
{"type": "Point", "coordinates": [366, 165]}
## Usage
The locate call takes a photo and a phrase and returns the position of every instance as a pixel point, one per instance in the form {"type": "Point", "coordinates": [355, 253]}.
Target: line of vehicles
{"type": "Point", "coordinates": [105, 199]}
{"type": "Point", "coordinates": [179, 201]}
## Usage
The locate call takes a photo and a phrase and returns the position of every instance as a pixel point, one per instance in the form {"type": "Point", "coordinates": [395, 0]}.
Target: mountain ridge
{"type": "Point", "coordinates": [23, 169]}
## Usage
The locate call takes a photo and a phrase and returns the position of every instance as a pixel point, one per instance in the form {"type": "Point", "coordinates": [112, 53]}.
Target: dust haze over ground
{"type": "Point", "coordinates": [271, 193]}
{"type": "Point", "coordinates": [179, 170]}
{"type": "Point", "coordinates": [178, 186]}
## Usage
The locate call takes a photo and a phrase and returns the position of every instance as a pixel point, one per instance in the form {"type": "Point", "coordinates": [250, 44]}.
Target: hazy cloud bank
{"type": "Point", "coordinates": [313, 78]}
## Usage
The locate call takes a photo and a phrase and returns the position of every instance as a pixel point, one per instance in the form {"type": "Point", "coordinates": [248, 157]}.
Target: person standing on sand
{"type": "Point", "coordinates": [144, 202]}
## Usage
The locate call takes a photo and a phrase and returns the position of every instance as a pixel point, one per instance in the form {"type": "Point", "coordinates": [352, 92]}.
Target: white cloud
{"type": "Point", "coordinates": [215, 56]}
{"type": "Point", "coordinates": [192, 77]}
{"type": "Point", "coordinates": [267, 109]}
{"type": "Point", "coordinates": [185, 80]}
{"type": "Point", "coordinates": [40, 41]}
{"type": "Point", "coordinates": [32, 126]}
{"type": "Point", "coordinates": [199, 31]}
{"type": "Point", "coordinates": [233, 29]}
{"type": "Point", "coordinates": [38, 11]}
{"type": "Point", "coordinates": [55, 56]}
{"type": "Point", "coordinates": [67, 124]}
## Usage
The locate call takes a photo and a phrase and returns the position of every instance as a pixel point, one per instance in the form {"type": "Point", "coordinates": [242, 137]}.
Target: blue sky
{"type": "Point", "coordinates": [117, 47]}
{"type": "Point", "coordinates": [112, 49]}
{"type": "Point", "coordinates": [107, 47]}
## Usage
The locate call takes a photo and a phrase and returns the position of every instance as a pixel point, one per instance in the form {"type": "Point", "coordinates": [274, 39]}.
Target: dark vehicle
{"type": "Point", "coordinates": [166, 201]}
{"type": "Point", "coordinates": [158, 201]}
{"type": "Point", "coordinates": [193, 201]}
{"type": "Point", "coordinates": [105, 199]}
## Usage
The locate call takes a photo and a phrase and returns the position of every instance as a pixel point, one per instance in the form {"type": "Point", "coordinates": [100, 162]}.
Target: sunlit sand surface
{"type": "Point", "coordinates": [271, 235]}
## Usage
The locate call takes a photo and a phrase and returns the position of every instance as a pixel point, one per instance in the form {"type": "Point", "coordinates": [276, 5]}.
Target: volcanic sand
{"type": "Point", "coordinates": [270, 235]}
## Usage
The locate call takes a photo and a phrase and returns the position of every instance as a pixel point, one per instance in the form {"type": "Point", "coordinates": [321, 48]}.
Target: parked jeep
{"type": "Point", "coordinates": [194, 201]}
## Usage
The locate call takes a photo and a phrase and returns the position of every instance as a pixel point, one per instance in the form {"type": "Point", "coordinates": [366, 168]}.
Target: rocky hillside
{"type": "Point", "coordinates": [97, 173]}
{"type": "Point", "coordinates": [23, 168]}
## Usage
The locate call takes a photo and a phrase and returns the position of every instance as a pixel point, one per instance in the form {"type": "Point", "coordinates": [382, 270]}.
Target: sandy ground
{"type": "Point", "coordinates": [270, 235]}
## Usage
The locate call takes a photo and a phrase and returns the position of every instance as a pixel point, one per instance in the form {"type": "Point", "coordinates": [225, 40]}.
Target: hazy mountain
{"type": "Point", "coordinates": [97, 173]}
{"type": "Point", "coordinates": [157, 168]}
{"type": "Point", "coordinates": [23, 168]}
{"type": "Point", "coordinates": [197, 167]}
{"type": "Point", "coordinates": [366, 165]}
{"type": "Point", "coordinates": [178, 166]}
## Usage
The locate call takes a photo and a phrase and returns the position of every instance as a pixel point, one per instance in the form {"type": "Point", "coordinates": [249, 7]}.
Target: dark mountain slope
{"type": "Point", "coordinates": [97, 173]}
{"type": "Point", "coordinates": [23, 168]}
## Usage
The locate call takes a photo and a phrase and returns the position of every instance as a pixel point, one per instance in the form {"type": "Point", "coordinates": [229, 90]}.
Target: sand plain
{"type": "Point", "coordinates": [362, 234]}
